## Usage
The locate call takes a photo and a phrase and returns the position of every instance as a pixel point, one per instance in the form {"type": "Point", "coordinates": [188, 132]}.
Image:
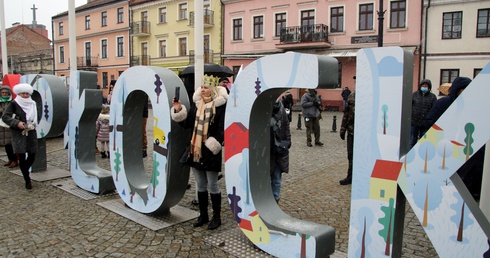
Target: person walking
{"type": "Point", "coordinates": [5, 132]}
{"type": "Point", "coordinates": [280, 144]}
{"type": "Point", "coordinates": [347, 127]}
{"type": "Point", "coordinates": [312, 107]}
{"type": "Point", "coordinates": [23, 125]}
{"type": "Point", "coordinates": [422, 101]}
{"type": "Point", "coordinates": [204, 154]}
{"type": "Point", "coordinates": [103, 130]}
{"type": "Point", "coordinates": [345, 94]}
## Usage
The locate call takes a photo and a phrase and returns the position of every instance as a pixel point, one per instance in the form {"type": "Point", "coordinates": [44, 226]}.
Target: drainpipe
{"type": "Point", "coordinates": [425, 39]}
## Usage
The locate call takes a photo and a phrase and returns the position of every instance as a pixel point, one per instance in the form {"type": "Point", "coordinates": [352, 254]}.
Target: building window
{"type": "Point", "coordinates": [120, 46]}
{"type": "Point", "coordinates": [120, 15]}
{"type": "Point", "coordinates": [258, 27]}
{"type": "Point", "coordinates": [163, 48]}
{"type": "Point", "coordinates": [448, 75]}
{"type": "Point", "coordinates": [163, 15]}
{"type": "Point", "coordinates": [183, 11]}
{"type": "Point", "coordinates": [105, 80]}
{"type": "Point", "coordinates": [87, 22]}
{"type": "Point", "coordinates": [62, 54]}
{"type": "Point", "coordinates": [476, 71]}
{"type": "Point", "coordinates": [182, 46]}
{"type": "Point", "coordinates": [60, 28]}
{"type": "Point", "coordinates": [398, 14]}
{"type": "Point", "coordinates": [280, 23]}
{"type": "Point", "coordinates": [382, 193]}
{"type": "Point", "coordinates": [337, 19]}
{"type": "Point", "coordinates": [103, 19]}
{"type": "Point", "coordinates": [237, 29]}
{"type": "Point", "coordinates": [307, 18]}
{"type": "Point", "coordinates": [452, 25]}
{"type": "Point", "coordinates": [483, 26]}
{"type": "Point", "coordinates": [366, 16]}
{"type": "Point", "coordinates": [103, 48]}
{"type": "Point", "coordinates": [235, 70]}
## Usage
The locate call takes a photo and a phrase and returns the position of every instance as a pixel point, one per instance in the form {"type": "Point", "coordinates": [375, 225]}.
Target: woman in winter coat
{"type": "Point", "coordinates": [280, 144]}
{"type": "Point", "coordinates": [422, 101]}
{"type": "Point", "coordinates": [207, 120]}
{"type": "Point", "coordinates": [23, 125]}
{"type": "Point", "coordinates": [102, 129]}
{"type": "Point", "coordinates": [5, 133]}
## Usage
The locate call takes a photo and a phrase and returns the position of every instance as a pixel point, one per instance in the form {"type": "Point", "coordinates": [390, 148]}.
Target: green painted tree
{"type": "Point", "coordinates": [469, 129]}
{"type": "Point", "coordinates": [117, 163]}
{"type": "Point", "coordinates": [155, 173]}
{"type": "Point", "coordinates": [387, 222]}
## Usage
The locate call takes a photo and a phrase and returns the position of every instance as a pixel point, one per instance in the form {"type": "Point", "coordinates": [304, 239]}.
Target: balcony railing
{"type": "Point", "coordinates": [87, 62]}
{"type": "Point", "coordinates": [208, 18]}
{"type": "Point", "coordinates": [140, 60]}
{"type": "Point", "coordinates": [208, 56]}
{"type": "Point", "coordinates": [141, 28]}
{"type": "Point", "coordinates": [304, 34]}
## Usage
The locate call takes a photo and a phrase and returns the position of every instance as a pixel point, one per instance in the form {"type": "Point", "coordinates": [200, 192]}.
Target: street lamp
{"type": "Point", "coordinates": [381, 14]}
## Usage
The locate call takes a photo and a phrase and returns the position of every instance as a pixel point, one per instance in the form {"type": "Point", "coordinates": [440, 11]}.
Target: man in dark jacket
{"type": "Point", "coordinates": [280, 144]}
{"type": "Point", "coordinates": [422, 101]}
{"type": "Point", "coordinates": [471, 171]}
{"type": "Point", "coordinates": [287, 102]}
{"type": "Point", "coordinates": [348, 127]}
{"type": "Point", "coordinates": [312, 107]}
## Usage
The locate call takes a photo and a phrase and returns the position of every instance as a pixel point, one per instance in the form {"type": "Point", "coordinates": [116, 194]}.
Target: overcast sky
{"type": "Point", "coordinates": [20, 11]}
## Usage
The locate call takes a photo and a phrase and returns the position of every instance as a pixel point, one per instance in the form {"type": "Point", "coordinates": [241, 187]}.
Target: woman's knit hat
{"type": "Point", "coordinates": [23, 87]}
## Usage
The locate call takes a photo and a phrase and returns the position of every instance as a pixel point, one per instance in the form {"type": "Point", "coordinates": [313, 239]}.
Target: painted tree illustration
{"type": "Point", "coordinates": [76, 147]}
{"type": "Point", "coordinates": [121, 94]}
{"type": "Point", "coordinates": [235, 208]}
{"type": "Point", "coordinates": [46, 106]}
{"type": "Point", "coordinates": [427, 195]}
{"type": "Point", "coordinates": [155, 174]}
{"type": "Point", "coordinates": [444, 149]}
{"type": "Point", "coordinates": [461, 218]}
{"type": "Point", "coordinates": [158, 86]}
{"type": "Point", "coordinates": [469, 129]}
{"type": "Point", "coordinates": [384, 118]}
{"type": "Point", "coordinates": [46, 110]}
{"type": "Point", "coordinates": [387, 222]}
{"type": "Point", "coordinates": [303, 245]}
{"type": "Point", "coordinates": [117, 163]}
{"type": "Point", "coordinates": [257, 86]}
{"type": "Point", "coordinates": [427, 151]}
{"type": "Point", "coordinates": [363, 242]}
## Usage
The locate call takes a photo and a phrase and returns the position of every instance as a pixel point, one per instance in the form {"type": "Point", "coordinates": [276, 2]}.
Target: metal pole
{"type": "Point", "coordinates": [198, 43]}
{"type": "Point", "coordinates": [380, 23]}
{"type": "Point", "coordinates": [5, 68]}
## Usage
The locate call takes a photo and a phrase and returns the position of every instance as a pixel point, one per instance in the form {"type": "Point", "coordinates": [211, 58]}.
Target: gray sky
{"type": "Point", "coordinates": [20, 11]}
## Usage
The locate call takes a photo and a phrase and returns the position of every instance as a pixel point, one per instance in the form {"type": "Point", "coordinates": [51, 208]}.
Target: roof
{"type": "Point", "coordinates": [22, 39]}
{"type": "Point", "coordinates": [90, 5]}
{"type": "Point", "coordinates": [385, 169]}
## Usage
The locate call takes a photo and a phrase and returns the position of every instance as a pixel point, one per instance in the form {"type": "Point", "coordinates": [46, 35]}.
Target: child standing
{"type": "Point", "coordinates": [102, 130]}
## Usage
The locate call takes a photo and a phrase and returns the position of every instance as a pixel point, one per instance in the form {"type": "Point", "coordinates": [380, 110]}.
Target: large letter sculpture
{"type": "Point", "coordinates": [454, 224]}
{"type": "Point", "coordinates": [51, 96]}
{"type": "Point", "coordinates": [248, 113]}
{"type": "Point", "coordinates": [169, 177]}
{"type": "Point", "coordinates": [85, 103]}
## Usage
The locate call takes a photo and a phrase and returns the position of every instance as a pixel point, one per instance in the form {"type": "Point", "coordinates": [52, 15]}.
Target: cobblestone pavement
{"type": "Point", "coordinates": [49, 222]}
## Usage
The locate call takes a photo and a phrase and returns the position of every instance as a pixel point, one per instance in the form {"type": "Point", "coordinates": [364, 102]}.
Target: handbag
{"type": "Point", "coordinates": [282, 147]}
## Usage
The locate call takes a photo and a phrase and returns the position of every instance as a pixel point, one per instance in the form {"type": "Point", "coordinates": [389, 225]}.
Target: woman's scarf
{"type": "Point", "coordinates": [29, 107]}
{"type": "Point", "coordinates": [204, 115]}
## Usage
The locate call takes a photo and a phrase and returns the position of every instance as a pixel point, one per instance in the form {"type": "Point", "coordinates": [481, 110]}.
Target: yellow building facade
{"type": "Point", "coordinates": [163, 33]}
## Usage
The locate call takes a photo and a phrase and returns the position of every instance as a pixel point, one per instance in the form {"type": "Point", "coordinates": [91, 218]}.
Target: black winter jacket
{"type": "Point", "coordinates": [422, 103]}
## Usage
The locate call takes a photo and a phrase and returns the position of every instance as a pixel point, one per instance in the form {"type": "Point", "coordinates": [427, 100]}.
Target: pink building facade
{"type": "Point", "coordinates": [336, 28]}
{"type": "Point", "coordinates": [102, 40]}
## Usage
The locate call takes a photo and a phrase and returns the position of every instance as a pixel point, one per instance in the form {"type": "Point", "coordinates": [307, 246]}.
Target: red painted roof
{"type": "Point", "coordinates": [386, 169]}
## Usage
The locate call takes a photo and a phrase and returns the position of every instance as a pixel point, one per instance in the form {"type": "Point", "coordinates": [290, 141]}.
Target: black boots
{"type": "Point", "coordinates": [216, 202]}
{"type": "Point", "coordinates": [203, 218]}
{"type": "Point", "coordinates": [203, 209]}
{"type": "Point", "coordinates": [27, 179]}
{"type": "Point", "coordinates": [103, 154]}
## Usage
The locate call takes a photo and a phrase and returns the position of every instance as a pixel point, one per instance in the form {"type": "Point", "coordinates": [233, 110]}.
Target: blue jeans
{"type": "Point", "coordinates": [415, 133]}
{"type": "Point", "coordinates": [205, 180]}
{"type": "Point", "coordinates": [276, 182]}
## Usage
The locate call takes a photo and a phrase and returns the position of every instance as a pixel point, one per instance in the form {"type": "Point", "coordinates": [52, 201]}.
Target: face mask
{"type": "Point", "coordinates": [424, 89]}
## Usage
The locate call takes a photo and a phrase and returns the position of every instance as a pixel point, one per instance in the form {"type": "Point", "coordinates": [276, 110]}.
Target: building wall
{"type": "Point", "coordinates": [113, 65]}
{"type": "Point", "coordinates": [172, 30]}
{"type": "Point", "coordinates": [343, 45]}
{"type": "Point", "coordinates": [466, 53]}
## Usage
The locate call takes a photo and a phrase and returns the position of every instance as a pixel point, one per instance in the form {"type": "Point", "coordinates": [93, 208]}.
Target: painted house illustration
{"type": "Point", "coordinates": [236, 136]}
{"type": "Point", "coordinates": [384, 180]}
{"type": "Point", "coordinates": [255, 229]}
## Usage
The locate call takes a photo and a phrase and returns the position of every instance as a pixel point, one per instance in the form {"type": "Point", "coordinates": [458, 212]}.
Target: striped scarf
{"type": "Point", "coordinates": [204, 115]}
